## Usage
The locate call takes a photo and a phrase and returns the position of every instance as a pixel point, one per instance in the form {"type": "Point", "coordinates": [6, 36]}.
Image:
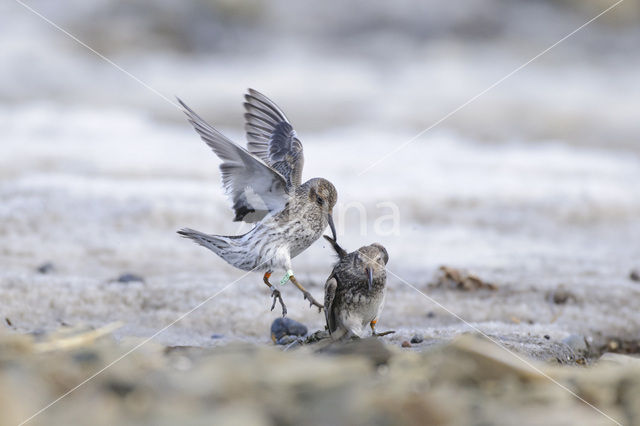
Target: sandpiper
{"type": "Point", "coordinates": [354, 292]}
{"type": "Point", "coordinates": [264, 185]}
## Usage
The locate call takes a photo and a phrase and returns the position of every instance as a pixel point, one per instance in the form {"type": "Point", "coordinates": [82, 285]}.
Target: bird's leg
{"type": "Point", "coordinates": [307, 295]}
{"type": "Point", "coordinates": [373, 330]}
{"type": "Point", "coordinates": [275, 293]}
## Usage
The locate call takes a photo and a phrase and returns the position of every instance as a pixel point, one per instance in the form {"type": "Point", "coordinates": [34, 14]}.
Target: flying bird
{"type": "Point", "coordinates": [264, 184]}
{"type": "Point", "coordinates": [355, 291]}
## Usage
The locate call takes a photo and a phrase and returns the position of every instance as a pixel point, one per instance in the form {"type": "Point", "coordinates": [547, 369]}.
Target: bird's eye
{"type": "Point", "coordinates": [320, 201]}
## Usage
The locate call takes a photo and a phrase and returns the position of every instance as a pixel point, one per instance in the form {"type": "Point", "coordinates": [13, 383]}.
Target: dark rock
{"type": "Point", "coordinates": [560, 296]}
{"type": "Point", "coordinates": [546, 336]}
{"type": "Point", "coordinates": [417, 338]}
{"type": "Point", "coordinates": [287, 340]}
{"type": "Point", "coordinates": [217, 336]}
{"type": "Point", "coordinates": [128, 277]}
{"type": "Point", "coordinates": [406, 344]}
{"type": "Point", "coordinates": [120, 388]}
{"type": "Point", "coordinates": [8, 321]}
{"type": "Point", "coordinates": [282, 327]}
{"type": "Point", "coordinates": [634, 275]}
{"type": "Point", "coordinates": [46, 268]}
{"type": "Point", "coordinates": [431, 315]}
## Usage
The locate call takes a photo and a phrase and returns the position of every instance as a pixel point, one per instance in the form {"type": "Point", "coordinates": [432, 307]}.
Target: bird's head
{"type": "Point", "coordinates": [324, 195]}
{"type": "Point", "coordinates": [372, 260]}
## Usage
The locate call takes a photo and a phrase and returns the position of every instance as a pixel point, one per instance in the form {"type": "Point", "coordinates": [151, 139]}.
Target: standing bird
{"type": "Point", "coordinates": [354, 292]}
{"type": "Point", "coordinates": [264, 185]}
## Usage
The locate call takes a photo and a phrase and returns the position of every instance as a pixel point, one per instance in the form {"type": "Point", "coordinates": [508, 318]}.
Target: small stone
{"type": "Point", "coordinates": [45, 268]}
{"type": "Point", "coordinates": [282, 327]}
{"type": "Point", "coordinates": [8, 321]}
{"type": "Point", "coordinates": [431, 315]}
{"type": "Point", "coordinates": [546, 336]}
{"type": "Point", "coordinates": [634, 275]}
{"type": "Point", "coordinates": [286, 340]}
{"type": "Point", "coordinates": [217, 336]}
{"type": "Point", "coordinates": [417, 338]}
{"type": "Point", "coordinates": [406, 344]}
{"type": "Point", "coordinates": [560, 296]}
{"type": "Point", "coordinates": [120, 388]}
{"type": "Point", "coordinates": [128, 277]}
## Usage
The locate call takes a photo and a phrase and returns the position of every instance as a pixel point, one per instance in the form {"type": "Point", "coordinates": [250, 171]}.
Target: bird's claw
{"type": "Point", "coordinates": [278, 297]}
{"type": "Point", "coordinates": [384, 333]}
{"type": "Point", "coordinates": [312, 301]}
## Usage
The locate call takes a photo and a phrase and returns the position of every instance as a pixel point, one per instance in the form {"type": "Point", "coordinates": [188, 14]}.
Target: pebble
{"type": "Point", "coordinates": [217, 336]}
{"type": "Point", "coordinates": [128, 277]}
{"type": "Point", "coordinates": [561, 296]}
{"type": "Point", "coordinates": [546, 336]}
{"type": "Point", "coordinates": [284, 327]}
{"type": "Point", "coordinates": [417, 338]}
{"type": "Point", "coordinates": [45, 268]}
{"type": "Point", "coordinates": [406, 344]}
{"type": "Point", "coordinates": [634, 275]}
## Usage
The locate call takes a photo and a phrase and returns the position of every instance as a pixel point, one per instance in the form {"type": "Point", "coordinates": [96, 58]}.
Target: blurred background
{"type": "Point", "coordinates": [533, 185]}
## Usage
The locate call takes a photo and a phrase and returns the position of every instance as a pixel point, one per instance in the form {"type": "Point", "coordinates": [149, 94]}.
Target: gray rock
{"type": "Point", "coordinates": [282, 327]}
{"type": "Point", "coordinates": [128, 277]}
{"type": "Point", "coordinates": [417, 338]}
{"type": "Point", "coordinates": [634, 275]}
{"type": "Point", "coordinates": [46, 268]}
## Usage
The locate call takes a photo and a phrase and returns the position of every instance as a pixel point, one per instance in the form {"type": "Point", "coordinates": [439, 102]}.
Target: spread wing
{"type": "Point", "coordinates": [329, 295]}
{"type": "Point", "coordinates": [254, 188]}
{"type": "Point", "coordinates": [271, 137]}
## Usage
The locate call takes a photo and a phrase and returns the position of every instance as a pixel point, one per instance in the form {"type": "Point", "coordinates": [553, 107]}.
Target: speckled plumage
{"type": "Point", "coordinates": [264, 185]}
{"type": "Point", "coordinates": [355, 290]}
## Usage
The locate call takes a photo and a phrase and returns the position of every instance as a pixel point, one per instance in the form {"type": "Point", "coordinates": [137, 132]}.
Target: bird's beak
{"type": "Point", "coordinates": [370, 276]}
{"type": "Point", "coordinates": [333, 227]}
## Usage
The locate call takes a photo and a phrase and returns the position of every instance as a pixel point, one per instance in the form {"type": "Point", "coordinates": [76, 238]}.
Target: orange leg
{"type": "Point", "coordinates": [307, 295]}
{"type": "Point", "coordinates": [275, 293]}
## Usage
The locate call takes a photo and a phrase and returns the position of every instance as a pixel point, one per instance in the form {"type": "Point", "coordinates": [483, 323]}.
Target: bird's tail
{"type": "Point", "coordinates": [216, 243]}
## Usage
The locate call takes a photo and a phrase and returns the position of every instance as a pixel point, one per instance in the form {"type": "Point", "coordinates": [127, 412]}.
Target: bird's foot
{"type": "Point", "coordinates": [278, 297]}
{"type": "Point", "coordinates": [312, 301]}
{"type": "Point", "coordinates": [384, 333]}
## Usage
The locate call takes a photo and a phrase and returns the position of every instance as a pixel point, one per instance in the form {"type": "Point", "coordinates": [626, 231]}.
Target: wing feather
{"type": "Point", "coordinates": [271, 137]}
{"type": "Point", "coordinates": [329, 295]}
{"type": "Point", "coordinates": [254, 187]}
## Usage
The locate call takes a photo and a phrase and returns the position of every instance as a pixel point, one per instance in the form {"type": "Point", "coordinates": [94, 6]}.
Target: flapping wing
{"type": "Point", "coordinates": [329, 295]}
{"type": "Point", "coordinates": [271, 137]}
{"type": "Point", "coordinates": [254, 188]}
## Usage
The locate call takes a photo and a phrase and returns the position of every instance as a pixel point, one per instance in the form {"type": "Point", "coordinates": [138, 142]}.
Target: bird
{"type": "Point", "coordinates": [264, 185]}
{"type": "Point", "coordinates": [355, 291]}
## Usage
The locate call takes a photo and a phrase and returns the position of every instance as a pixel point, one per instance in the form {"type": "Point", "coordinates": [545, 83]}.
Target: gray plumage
{"type": "Point", "coordinates": [264, 185]}
{"type": "Point", "coordinates": [355, 290]}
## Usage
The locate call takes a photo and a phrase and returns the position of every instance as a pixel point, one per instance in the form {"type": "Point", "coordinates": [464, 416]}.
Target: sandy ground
{"type": "Point", "coordinates": [470, 381]}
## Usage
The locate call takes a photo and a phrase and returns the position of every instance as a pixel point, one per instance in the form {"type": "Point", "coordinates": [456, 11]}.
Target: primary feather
{"type": "Point", "coordinates": [271, 137]}
{"type": "Point", "coordinates": [254, 187]}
